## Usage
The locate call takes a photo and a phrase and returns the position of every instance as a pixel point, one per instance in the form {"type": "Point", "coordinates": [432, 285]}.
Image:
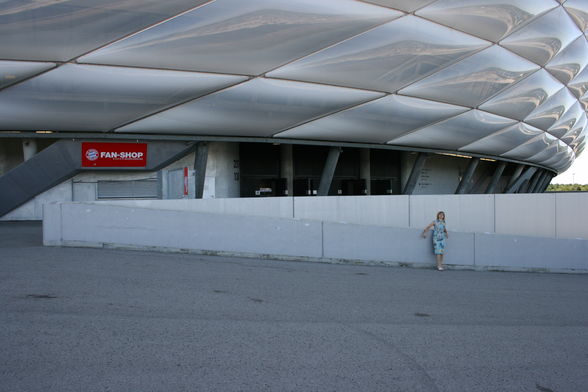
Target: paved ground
{"type": "Point", "coordinates": [109, 320]}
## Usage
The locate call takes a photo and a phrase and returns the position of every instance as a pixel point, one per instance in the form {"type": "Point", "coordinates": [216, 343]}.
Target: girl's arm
{"type": "Point", "coordinates": [424, 233]}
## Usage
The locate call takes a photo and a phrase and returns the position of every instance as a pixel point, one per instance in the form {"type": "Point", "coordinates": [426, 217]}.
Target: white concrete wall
{"type": "Point", "coordinates": [98, 225]}
{"type": "Point", "coordinates": [33, 209]}
{"type": "Point", "coordinates": [539, 215]}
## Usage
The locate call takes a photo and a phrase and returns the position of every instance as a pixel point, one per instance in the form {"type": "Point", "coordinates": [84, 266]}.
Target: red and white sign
{"type": "Point", "coordinates": [185, 181]}
{"type": "Point", "coordinates": [114, 154]}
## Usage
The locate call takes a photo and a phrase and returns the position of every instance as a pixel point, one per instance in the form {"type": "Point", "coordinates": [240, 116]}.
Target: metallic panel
{"type": "Point", "coordinates": [522, 98]}
{"type": "Point", "coordinates": [456, 132]}
{"type": "Point", "coordinates": [578, 10]}
{"type": "Point", "coordinates": [549, 112]}
{"type": "Point", "coordinates": [375, 122]}
{"type": "Point", "coordinates": [51, 30]}
{"type": "Point", "coordinates": [584, 101]}
{"type": "Point", "coordinates": [576, 130]}
{"type": "Point", "coordinates": [488, 19]}
{"type": "Point", "coordinates": [261, 107]}
{"type": "Point", "coordinates": [579, 85]}
{"type": "Point", "coordinates": [543, 38]}
{"type": "Point", "coordinates": [567, 121]}
{"type": "Point", "coordinates": [564, 153]}
{"type": "Point", "coordinates": [96, 98]}
{"type": "Point", "coordinates": [244, 37]}
{"type": "Point", "coordinates": [404, 5]}
{"type": "Point", "coordinates": [473, 80]}
{"type": "Point", "coordinates": [570, 62]}
{"type": "Point", "coordinates": [386, 58]}
{"type": "Point", "coordinates": [503, 141]}
{"type": "Point", "coordinates": [14, 71]}
{"type": "Point", "coordinates": [530, 148]}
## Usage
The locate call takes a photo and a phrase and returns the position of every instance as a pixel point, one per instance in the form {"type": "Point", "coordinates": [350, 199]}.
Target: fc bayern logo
{"type": "Point", "coordinates": [92, 154]}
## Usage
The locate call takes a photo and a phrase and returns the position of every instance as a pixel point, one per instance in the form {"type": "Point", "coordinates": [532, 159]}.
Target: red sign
{"type": "Point", "coordinates": [185, 181]}
{"type": "Point", "coordinates": [114, 154]}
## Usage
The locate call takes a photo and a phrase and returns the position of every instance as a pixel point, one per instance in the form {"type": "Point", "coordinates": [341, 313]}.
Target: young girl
{"type": "Point", "coordinates": [439, 237]}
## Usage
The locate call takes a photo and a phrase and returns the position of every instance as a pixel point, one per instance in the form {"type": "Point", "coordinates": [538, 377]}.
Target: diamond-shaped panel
{"type": "Point", "coordinates": [14, 71]}
{"type": "Point", "coordinates": [579, 85]}
{"type": "Point", "coordinates": [59, 30]}
{"type": "Point", "coordinates": [473, 80]}
{"type": "Point", "coordinates": [385, 58]}
{"type": "Point", "coordinates": [488, 19]}
{"type": "Point", "coordinates": [567, 121]}
{"type": "Point", "coordinates": [503, 141]}
{"type": "Point", "coordinates": [578, 10]}
{"type": "Point", "coordinates": [530, 148]}
{"type": "Point", "coordinates": [545, 37]}
{"type": "Point", "coordinates": [245, 37]}
{"type": "Point", "coordinates": [456, 132]}
{"type": "Point", "coordinates": [404, 5]}
{"type": "Point", "coordinates": [571, 61]}
{"type": "Point", "coordinates": [522, 98]}
{"type": "Point", "coordinates": [375, 122]}
{"type": "Point", "coordinates": [551, 110]}
{"type": "Point", "coordinates": [96, 98]}
{"type": "Point", "coordinates": [261, 107]}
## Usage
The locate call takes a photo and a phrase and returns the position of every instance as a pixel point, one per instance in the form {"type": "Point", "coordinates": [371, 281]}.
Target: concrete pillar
{"type": "Point", "coordinates": [365, 171]}
{"type": "Point", "coordinates": [223, 174]}
{"type": "Point", "coordinates": [329, 171]}
{"type": "Point", "coordinates": [526, 176]}
{"type": "Point", "coordinates": [464, 185]}
{"type": "Point", "coordinates": [496, 177]}
{"type": "Point", "coordinates": [200, 166]}
{"type": "Point", "coordinates": [517, 173]}
{"type": "Point", "coordinates": [287, 167]}
{"type": "Point", "coordinates": [415, 173]}
{"type": "Point", "coordinates": [29, 148]}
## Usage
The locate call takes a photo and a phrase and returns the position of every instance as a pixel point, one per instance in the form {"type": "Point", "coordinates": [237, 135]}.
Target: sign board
{"type": "Point", "coordinates": [95, 154]}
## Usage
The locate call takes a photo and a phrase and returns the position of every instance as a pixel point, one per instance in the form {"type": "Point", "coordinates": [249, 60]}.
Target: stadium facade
{"type": "Point", "coordinates": [233, 98]}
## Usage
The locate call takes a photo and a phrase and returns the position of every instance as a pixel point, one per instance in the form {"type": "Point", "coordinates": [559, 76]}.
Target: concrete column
{"type": "Point", "coordinates": [222, 177]}
{"type": "Point", "coordinates": [515, 176]}
{"type": "Point", "coordinates": [526, 176]}
{"type": "Point", "coordinates": [287, 167]}
{"type": "Point", "coordinates": [415, 173]}
{"type": "Point", "coordinates": [200, 161]}
{"type": "Point", "coordinates": [29, 148]}
{"type": "Point", "coordinates": [464, 185]}
{"type": "Point", "coordinates": [533, 182]}
{"type": "Point", "coordinates": [496, 177]}
{"type": "Point", "coordinates": [329, 171]}
{"type": "Point", "coordinates": [365, 171]}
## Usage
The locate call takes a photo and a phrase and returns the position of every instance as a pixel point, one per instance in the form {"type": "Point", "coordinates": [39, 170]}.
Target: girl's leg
{"type": "Point", "coordinates": [439, 260]}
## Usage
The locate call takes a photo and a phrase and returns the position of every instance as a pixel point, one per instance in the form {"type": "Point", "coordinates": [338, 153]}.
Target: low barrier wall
{"type": "Point", "coordinates": [551, 215]}
{"type": "Point", "coordinates": [98, 225]}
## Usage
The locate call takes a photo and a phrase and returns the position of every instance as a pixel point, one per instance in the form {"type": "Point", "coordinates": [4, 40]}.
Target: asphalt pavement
{"type": "Point", "coordinates": [75, 319]}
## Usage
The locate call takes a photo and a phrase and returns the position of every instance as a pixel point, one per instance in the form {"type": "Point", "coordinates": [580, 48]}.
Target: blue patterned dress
{"type": "Point", "coordinates": [439, 237]}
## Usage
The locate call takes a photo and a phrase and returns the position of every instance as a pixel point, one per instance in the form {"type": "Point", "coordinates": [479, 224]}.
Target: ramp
{"type": "Point", "coordinates": [61, 161]}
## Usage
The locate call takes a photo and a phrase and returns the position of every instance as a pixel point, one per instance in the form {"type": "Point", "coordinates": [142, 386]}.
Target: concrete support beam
{"type": "Point", "coordinates": [29, 148]}
{"type": "Point", "coordinates": [200, 161]}
{"type": "Point", "coordinates": [496, 177]}
{"type": "Point", "coordinates": [546, 182]}
{"type": "Point", "coordinates": [521, 180]}
{"type": "Point", "coordinates": [287, 167]}
{"type": "Point", "coordinates": [329, 171]}
{"type": "Point", "coordinates": [415, 173]}
{"type": "Point", "coordinates": [466, 180]}
{"type": "Point", "coordinates": [515, 176]}
{"type": "Point", "coordinates": [535, 180]}
{"type": "Point", "coordinates": [365, 171]}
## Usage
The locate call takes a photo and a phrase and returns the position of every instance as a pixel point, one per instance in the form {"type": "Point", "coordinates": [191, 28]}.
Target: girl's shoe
{"type": "Point", "coordinates": [440, 269]}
